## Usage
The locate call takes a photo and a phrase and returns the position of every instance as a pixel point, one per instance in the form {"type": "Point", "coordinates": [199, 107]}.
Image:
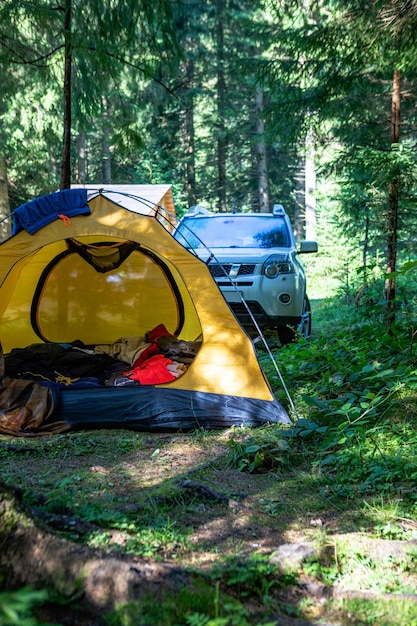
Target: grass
{"type": "Point", "coordinates": [221, 503]}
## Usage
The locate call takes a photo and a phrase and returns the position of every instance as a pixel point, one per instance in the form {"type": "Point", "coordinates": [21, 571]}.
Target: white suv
{"type": "Point", "coordinates": [254, 260]}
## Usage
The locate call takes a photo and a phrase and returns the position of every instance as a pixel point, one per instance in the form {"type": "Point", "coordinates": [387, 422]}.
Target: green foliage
{"type": "Point", "coordinates": [353, 383]}
{"type": "Point", "coordinates": [352, 566]}
{"type": "Point", "coordinates": [149, 536]}
{"type": "Point", "coordinates": [384, 612]}
{"type": "Point", "coordinates": [257, 453]}
{"type": "Point", "coordinates": [325, 573]}
{"type": "Point", "coordinates": [255, 575]}
{"type": "Point", "coordinates": [204, 605]}
{"type": "Point", "coordinates": [16, 607]}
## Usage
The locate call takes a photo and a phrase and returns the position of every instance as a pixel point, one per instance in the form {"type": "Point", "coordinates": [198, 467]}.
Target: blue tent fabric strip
{"type": "Point", "coordinates": [150, 409]}
{"type": "Point", "coordinates": [37, 213]}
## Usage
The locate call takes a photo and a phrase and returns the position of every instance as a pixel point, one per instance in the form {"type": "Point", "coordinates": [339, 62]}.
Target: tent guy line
{"type": "Point", "coordinates": [260, 334]}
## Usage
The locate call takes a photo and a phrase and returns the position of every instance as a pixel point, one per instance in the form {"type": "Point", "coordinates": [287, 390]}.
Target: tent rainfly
{"type": "Point", "coordinates": [106, 321]}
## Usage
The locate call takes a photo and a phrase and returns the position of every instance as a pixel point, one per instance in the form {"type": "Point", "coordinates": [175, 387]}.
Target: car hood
{"type": "Point", "coordinates": [240, 255]}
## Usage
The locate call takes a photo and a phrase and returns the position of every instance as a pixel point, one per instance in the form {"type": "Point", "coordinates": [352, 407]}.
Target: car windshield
{"type": "Point", "coordinates": [233, 231]}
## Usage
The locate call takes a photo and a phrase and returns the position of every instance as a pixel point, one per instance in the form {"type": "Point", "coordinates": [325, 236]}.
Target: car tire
{"type": "Point", "coordinates": [288, 334]}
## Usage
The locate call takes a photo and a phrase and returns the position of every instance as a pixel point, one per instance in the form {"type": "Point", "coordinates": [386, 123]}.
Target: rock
{"type": "Point", "coordinates": [290, 556]}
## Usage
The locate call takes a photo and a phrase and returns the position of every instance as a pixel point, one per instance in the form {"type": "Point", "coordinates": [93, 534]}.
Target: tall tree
{"type": "Point", "coordinates": [340, 70]}
{"type": "Point", "coordinates": [98, 39]}
{"type": "Point", "coordinates": [261, 155]}
{"type": "Point", "coordinates": [5, 230]}
{"type": "Point", "coordinates": [190, 133]}
{"type": "Point", "coordinates": [81, 171]}
{"type": "Point", "coordinates": [221, 105]}
{"type": "Point", "coordinates": [393, 199]}
{"type": "Point", "coordinates": [67, 111]}
{"type": "Point", "coordinates": [310, 186]}
{"type": "Point", "coordinates": [106, 167]}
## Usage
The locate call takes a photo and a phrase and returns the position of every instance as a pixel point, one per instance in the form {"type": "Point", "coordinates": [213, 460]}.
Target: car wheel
{"type": "Point", "coordinates": [304, 327]}
{"type": "Point", "coordinates": [288, 334]}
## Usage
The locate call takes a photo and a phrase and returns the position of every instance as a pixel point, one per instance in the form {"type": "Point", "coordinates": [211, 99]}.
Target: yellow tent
{"type": "Point", "coordinates": [93, 267]}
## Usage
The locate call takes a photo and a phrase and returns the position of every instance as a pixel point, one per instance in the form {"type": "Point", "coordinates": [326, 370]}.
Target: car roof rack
{"type": "Point", "coordinates": [198, 210]}
{"type": "Point", "coordinates": [278, 209]}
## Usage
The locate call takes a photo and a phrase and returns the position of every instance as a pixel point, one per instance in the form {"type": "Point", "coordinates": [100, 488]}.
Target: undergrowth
{"type": "Point", "coordinates": [354, 387]}
{"type": "Point", "coordinates": [351, 447]}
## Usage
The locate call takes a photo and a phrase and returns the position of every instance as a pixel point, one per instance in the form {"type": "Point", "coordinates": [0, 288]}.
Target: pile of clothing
{"type": "Point", "coordinates": [155, 358]}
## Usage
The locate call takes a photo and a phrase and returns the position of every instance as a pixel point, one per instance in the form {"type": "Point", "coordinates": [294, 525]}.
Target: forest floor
{"type": "Point", "coordinates": [186, 500]}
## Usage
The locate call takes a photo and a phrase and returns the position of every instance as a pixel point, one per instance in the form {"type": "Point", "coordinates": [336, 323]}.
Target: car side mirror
{"type": "Point", "coordinates": [308, 246]}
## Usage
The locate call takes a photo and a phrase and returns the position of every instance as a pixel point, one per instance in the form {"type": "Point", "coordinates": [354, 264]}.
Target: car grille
{"type": "Point", "coordinates": [239, 308]}
{"type": "Point", "coordinates": [236, 283]}
{"type": "Point", "coordinates": [220, 271]}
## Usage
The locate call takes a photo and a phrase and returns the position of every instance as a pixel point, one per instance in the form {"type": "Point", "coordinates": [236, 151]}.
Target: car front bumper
{"type": "Point", "coordinates": [264, 321]}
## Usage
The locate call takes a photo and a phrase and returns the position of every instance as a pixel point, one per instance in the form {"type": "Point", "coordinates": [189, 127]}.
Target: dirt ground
{"type": "Point", "coordinates": [214, 510]}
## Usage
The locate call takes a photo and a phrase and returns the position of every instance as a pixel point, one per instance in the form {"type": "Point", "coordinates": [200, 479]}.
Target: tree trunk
{"type": "Point", "coordinates": [365, 250]}
{"type": "Point", "coordinates": [32, 556]}
{"type": "Point", "coordinates": [300, 189]}
{"type": "Point", "coordinates": [221, 94]}
{"type": "Point", "coordinates": [5, 227]}
{"type": "Point", "coordinates": [66, 147]}
{"type": "Point", "coordinates": [310, 188]}
{"type": "Point", "coordinates": [393, 193]}
{"type": "Point", "coordinates": [263, 193]}
{"type": "Point", "coordinates": [81, 159]}
{"type": "Point", "coordinates": [106, 162]}
{"type": "Point", "coordinates": [189, 134]}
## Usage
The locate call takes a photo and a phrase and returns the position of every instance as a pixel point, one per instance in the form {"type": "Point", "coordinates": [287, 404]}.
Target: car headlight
{"type": "Point", "coordinates": [275, 265]}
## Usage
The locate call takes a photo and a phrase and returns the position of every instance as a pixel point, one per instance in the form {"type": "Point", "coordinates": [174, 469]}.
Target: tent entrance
{"type": "Point", "coordinates": [97, 291]}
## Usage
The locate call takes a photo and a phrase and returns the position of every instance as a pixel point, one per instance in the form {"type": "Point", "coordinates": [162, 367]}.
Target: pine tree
{"type": "Point", "coordinates": [340, 70]}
